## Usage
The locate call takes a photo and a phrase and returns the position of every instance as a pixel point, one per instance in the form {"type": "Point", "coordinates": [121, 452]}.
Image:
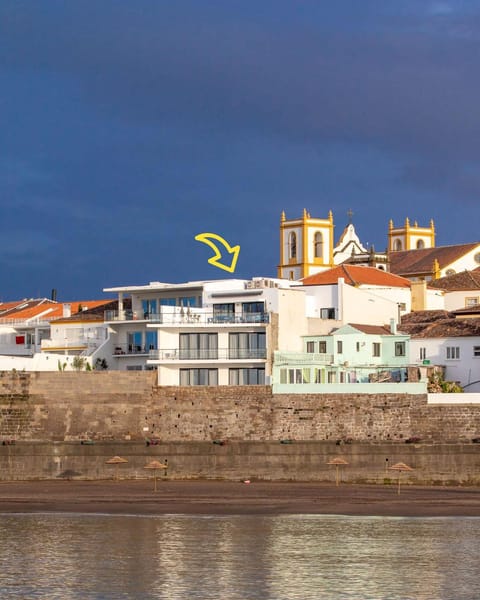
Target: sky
{"type": "Point", "coordinates": [128, 128]}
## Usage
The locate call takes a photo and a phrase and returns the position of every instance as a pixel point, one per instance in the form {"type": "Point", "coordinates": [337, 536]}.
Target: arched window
{"type": "Point", "coordinates": [397, 245]}
{"type": "Point", "coordinates": [420, 244]}
{"type": "Point", "coordinates": [292, 245]}
{"type": "Point", "coordinates": [318, 245]}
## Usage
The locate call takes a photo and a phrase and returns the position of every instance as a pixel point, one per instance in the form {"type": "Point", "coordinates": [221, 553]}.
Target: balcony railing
{"type": "Point", "coordinates": [209, 354]}
{"type": "Point", "coordinates": [182, 316]}
{"type": "Point", "coordinates": [302, 358]}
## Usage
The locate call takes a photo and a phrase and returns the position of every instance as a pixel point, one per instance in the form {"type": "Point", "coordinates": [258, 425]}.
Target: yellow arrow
{"type": "Point", "coordinates": [207, 238]}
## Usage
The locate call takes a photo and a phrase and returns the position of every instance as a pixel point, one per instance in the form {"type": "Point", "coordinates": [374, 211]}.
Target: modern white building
{"type": "Point", "coordinates": [219, 332]}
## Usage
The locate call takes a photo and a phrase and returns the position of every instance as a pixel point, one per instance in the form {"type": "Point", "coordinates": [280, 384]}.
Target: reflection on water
{"type": "Point", "coordinates": [240, 557]}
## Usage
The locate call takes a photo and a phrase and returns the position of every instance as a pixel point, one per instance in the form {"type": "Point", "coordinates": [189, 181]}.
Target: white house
{"type": "Point", "coordinates": [439, 338]}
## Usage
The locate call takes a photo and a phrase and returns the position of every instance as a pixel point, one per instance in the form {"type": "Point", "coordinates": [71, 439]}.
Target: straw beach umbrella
{"type": "Point", "coordinates": [400, 467]}
{"type": "Point", "coordinates": [155, 465]}
{"type": "Point", "coordinates": [338, 462]}
{"type": "Point", "coordinates": [116, 460]}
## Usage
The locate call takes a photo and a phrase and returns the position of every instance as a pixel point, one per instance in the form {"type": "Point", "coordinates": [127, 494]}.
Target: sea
{"type": "Point", "coordinates": [170, 557]}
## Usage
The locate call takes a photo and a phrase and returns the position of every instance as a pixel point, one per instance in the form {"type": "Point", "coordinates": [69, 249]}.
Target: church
{"type": "Point", "coordinates": [307, 247]}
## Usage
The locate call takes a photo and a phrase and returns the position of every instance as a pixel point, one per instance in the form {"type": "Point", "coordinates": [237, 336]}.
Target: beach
{"type": "Point", "coordinates": [209, 497]}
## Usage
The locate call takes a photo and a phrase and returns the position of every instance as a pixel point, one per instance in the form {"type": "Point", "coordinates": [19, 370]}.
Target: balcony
{"type": "Point", "coordinates": [178, 316]}
{"type": "Point", "coordinates": [175, 354]}
{"type": "Point", "coordinates": [302, 358]}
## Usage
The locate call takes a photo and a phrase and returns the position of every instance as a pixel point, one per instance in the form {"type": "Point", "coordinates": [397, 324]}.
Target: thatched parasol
{"type": "Point", "coordinates": [338, 462]}
{"type": "Point", "coordinates": [116, 460]}
{"type": "Point", "coordinates": [155, 465]}
{"type": "Point", "coordinates": [400, 467]}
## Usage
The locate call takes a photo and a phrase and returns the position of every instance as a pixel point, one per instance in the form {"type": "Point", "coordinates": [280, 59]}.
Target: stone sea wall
{"type": "Point", "coordinates": [222, 429]}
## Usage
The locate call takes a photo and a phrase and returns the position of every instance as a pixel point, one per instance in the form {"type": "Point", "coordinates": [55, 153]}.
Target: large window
{"type": "Point", "coordinates": [253, 312]}
{"type": "Point", "coordinates": [322, 347]}
{"type": "Point", "coordinates": [135, 342]}
{"type": "Point", "coordinates": [339, 347]}
{"type": "Point", "coordinates": [224, 313]}
{"type": "Point", "coordinates": [198, 346]}
{"type": "Point", "coordinates": [399, 348]}
{"type": "Point", "coordinates": [376, 349]}
{"type": "Point", "coordinates": [250, 376]}
{"type": "Point", "coordinates": [310, 347]}
{"type": "Point", "coordinates": [247, 345]}
{"type": "Point", "coordinates": [198, 376]}
{"type": "Point", "coordinates": [149, 308]}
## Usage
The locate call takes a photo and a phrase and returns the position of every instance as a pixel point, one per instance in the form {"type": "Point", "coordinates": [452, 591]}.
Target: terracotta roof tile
{"type": "Point", "coordinates": [439, 323]}
{"type": "Point", "coordinates": [466, 280]}
{"type": "Point", "coordinates": [372, 329]}
{"type": "Point", "coordinates": [413, 262]}
{"type": "Point", "coordinates": [356, 275]}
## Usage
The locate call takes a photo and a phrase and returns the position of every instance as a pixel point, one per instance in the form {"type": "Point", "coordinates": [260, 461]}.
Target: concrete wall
{"type": "Point", "coordinates": [299, 461]}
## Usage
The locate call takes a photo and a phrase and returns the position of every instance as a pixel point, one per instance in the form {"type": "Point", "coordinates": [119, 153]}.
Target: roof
{"type": "Point", "coordinates": [469, 310]}
{"type": "Point", "coordinates": [357, 275]}
{"type": "Point", "coordinates": [466, 280]}
{"type": "Point", "coordinates": [43, 308]}
{"type": "Point", "coordinates": [372, 329]}
{"type": "Point", "coordinates": [439, 324]}
{"type": "Point", "coordinates": [412, 262]}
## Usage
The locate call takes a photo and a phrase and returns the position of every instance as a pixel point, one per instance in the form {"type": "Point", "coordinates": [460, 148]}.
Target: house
{"type": "Point", "coordinates": [352, 294]}
{"type": "Point", "coordinates": [220, 332]}
{"type": "Point", "coordinates": [461, 290]}
{"type": "Point", "coordinates": [355, 358]}
{"type": "Point", "coordinates": [26, 332]}
{"type": "Point", "coordinates": [450, 340]}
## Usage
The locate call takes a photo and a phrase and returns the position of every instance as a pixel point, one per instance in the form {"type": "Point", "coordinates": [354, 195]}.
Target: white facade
{"type": "Point", "coordinates": [459, 355]}
{"type": "Point", "coordinates": [461, 299]}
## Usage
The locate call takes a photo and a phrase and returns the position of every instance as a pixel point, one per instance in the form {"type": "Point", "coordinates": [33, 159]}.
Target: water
{"type": "Point", "coordinates": [241, 557]}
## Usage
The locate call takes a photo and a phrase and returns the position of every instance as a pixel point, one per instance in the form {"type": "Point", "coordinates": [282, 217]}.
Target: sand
{"type": "Point", "coordinates": [228, 498]}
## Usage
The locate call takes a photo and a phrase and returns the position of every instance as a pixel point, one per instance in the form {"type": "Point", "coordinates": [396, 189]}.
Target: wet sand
{"type": "Point", "coordinates": [228, 498]}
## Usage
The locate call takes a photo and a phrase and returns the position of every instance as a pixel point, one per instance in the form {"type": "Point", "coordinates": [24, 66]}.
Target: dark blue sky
{"type": "Point", "coordinates": [127, 128]}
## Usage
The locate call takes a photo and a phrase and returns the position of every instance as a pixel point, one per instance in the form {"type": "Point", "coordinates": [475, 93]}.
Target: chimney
{"type": "Point", "coordinates": [67, 310]}
{"type": "Point", "coordinates": [393, 326]}
{"type": "Point", "coordinates": [54, 295]}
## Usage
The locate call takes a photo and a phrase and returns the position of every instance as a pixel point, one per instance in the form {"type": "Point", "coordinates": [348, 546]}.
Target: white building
{"type": "Point", "coordinates": [219, 332]}
{"type": "Point", "coordinates": [439, 338]}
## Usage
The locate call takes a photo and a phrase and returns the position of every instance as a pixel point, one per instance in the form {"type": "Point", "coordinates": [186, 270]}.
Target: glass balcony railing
{"type": "Point", "coordinates": [181, 316]}
{"type": "Point", "coordinates": [209, 354]}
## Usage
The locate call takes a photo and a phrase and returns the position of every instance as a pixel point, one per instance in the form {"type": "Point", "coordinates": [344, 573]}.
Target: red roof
{"type": "Point", "coordinates": [417, 262]}
{"type": "Point", "coordinates": [357, 275]}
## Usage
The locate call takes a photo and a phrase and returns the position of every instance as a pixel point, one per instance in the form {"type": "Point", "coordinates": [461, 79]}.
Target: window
{"type": "Point", "coordinates": [249, 376]}
{"type": "Point", "coordinates": [322, 347]}
{"type": "Point", "coordinates": [149, 308]}
{"type": "Point", "coordinates": [188, 301]}
{"type": "Point", "coordinates": [253, 312]}
{"type": "Point", "coordinates": [423, 353]}
{"type": "Point", "coordinates": [247, 345]}
{"type": "Point", "coordinates": [476, 351]}
{"type": "Point", "coordinates": [318, 245]}
{"type": "Point", "coordinates": [198, 376]}
{"type": "Point", "coordinates": [358, 346]}
{"type": "Point", "coordinates": [420, 244]}
{"type": "Point", "coordinates": [292, 245]}
{"type": "Point", "coordinates": [332, 377]}
{"type": "Point", "coordinates": [327, 313]}
{"type": "Point", "coordinates": [376, 349]}
{"type": "Point", "coordinates": [339, 346]}
{"type": "Point", "coordinates": [471, 301]}
{"type": "Point", "coordinates": [151, 340]}
{"type": "Point", "coordinates": [198, 346]}
{"type": "Point", "coordinates": [319, 375]}
{"type": "Point", "coordinates": [397, 245]}
{"type": "Point", "coordinates": [453, 352]}
{"type": "Point", "coordinates": [311, 347]}
{"type": "Point", "coordinates": [399, 348]}
{"type": "Point", "coordinates": [135, 342]}
{"type": "Point", "coordinates": [224, 313]}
